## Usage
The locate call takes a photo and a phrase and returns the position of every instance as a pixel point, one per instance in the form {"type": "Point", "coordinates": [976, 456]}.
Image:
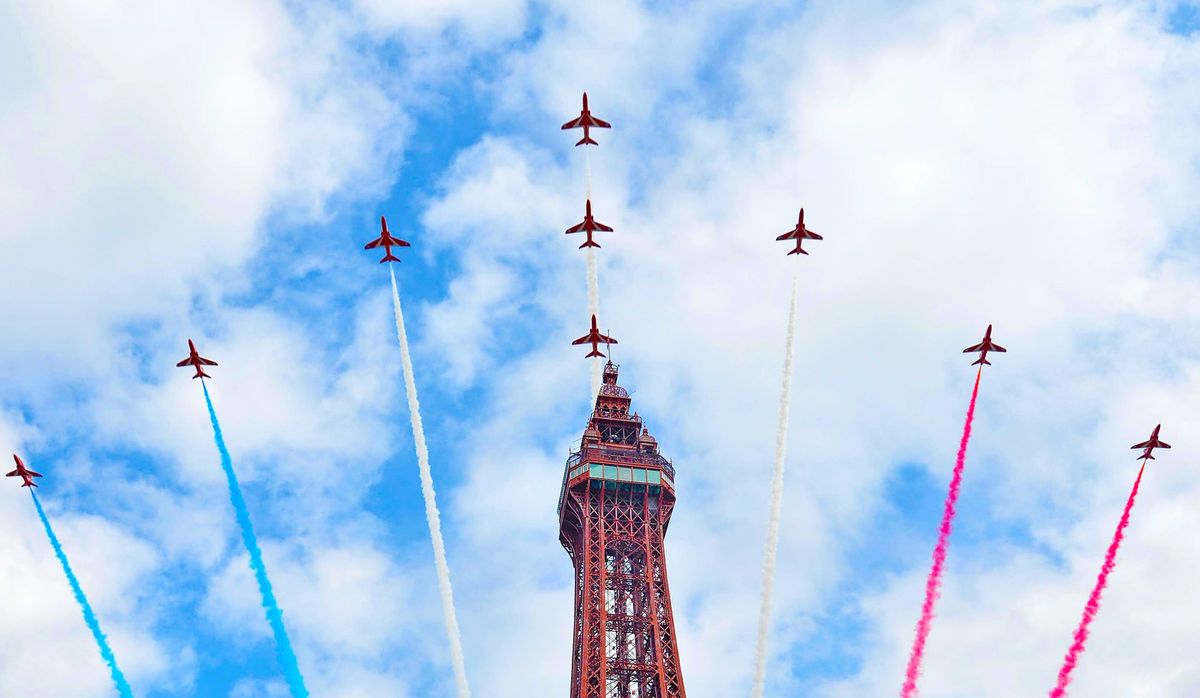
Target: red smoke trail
{"type": "Point", "coordinates": [1093, 602]}
{"type": "Point", "coordinates": [934, 583]}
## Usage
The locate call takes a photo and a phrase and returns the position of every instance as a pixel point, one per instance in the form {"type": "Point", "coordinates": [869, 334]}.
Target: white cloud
{"type": "Point", "coordinates": [149, 147]}
{"type": "Point", "coordinates": [42, 616]}
{"type": "Point", "coordinates": [1026, 166]}
{"type": "Point", "coordinates": [154, 144]}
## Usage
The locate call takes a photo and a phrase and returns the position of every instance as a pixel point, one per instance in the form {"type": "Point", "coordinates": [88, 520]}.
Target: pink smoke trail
{"type": "Point", "coordinates": [1093, 602]}
{"type": "Point", "coordinates": [934, 583]}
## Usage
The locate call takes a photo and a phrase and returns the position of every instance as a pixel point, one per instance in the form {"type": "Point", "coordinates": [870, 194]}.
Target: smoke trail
{"type": "Point", "coordinates": [1093, 602]}
{"type": "Point", "coordinates": [934, 582]}
{"type": "Point", "coordinates": [283, 646]}
{"type": "Point", "coordinates": [593, 309]}
{"type": "Point", "coordinates": [772, 545]}
{"type": "Point", "coordinates": [431, 509]}
{"type": "Point", "coordinates": [587, 172]}
{"type": "Point", "coordinates": [593, 279]}
{"type": "Point", "coordinates": [89, 617]}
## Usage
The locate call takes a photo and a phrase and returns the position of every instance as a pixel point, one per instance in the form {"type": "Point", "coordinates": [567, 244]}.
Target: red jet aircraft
{"type": "Point", "coordinates": [594, 338]}
{"type": "Point", "coordinates": [587, 122]}
{"type": "Point", "coordinates": [985, 346]}
{"type": "Point", "coordinates": [589, 226]}
{"type": "Point", "coordinates": [799, 234]}
{"type": "Point", "coordinates": [388, 241]}
{"type": "Point", "coordinates": [199, 362]}
{"type": "Point", "coordinates": [24, 473]}
{"type": "Point", "coordinates": [1150, 445]}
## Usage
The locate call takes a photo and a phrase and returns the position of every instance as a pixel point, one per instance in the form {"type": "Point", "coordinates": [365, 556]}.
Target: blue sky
{"type": "Point", "coordinates": [212, 171]}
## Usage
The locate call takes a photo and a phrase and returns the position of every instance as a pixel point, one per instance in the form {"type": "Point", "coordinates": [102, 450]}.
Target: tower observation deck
{"type": "Point", "coordinates": [613, 511]}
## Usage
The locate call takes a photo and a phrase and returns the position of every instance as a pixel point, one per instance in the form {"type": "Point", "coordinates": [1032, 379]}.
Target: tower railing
{"type": "Point", "coordinates": [616, 456]}
{"type": "Point", "coordinates": [625, 456]}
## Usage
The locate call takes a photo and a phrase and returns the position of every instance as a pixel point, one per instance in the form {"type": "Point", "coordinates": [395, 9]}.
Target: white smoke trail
{"type": "Point", "coordinates": [431, 509]}
{"type": "Point", "coordinates": [593, 309]}
{"type": "Point", "coordinates": [593, 278]}
{"type": "Point", "coordinates": [772, 545]}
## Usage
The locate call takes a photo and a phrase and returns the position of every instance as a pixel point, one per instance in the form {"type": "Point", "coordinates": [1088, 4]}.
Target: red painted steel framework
{"type": "Point", "coordinates": [615, 505]}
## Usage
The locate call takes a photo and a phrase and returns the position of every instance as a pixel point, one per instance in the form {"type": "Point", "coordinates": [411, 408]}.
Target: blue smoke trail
{"type": "Point", "coordinates": [283, 646]}
{"type": "Point", "coordinates": [88, 616]}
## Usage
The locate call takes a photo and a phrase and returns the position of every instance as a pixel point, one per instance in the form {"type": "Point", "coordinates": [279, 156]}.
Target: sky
{"type": "Point", "coordinates": [212, 170]}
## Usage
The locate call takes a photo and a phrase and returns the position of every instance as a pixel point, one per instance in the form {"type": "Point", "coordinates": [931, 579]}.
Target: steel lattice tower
{"type": "Point", "coordinates": [616, 502]}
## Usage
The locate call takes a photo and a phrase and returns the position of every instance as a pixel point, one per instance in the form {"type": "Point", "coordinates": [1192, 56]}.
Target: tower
{"type": "Point", "coordinates": [613, 511]}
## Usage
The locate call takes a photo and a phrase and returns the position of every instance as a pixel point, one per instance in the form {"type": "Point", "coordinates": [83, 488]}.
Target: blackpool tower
{"type": "Point", "coordinates": [613, 512]}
